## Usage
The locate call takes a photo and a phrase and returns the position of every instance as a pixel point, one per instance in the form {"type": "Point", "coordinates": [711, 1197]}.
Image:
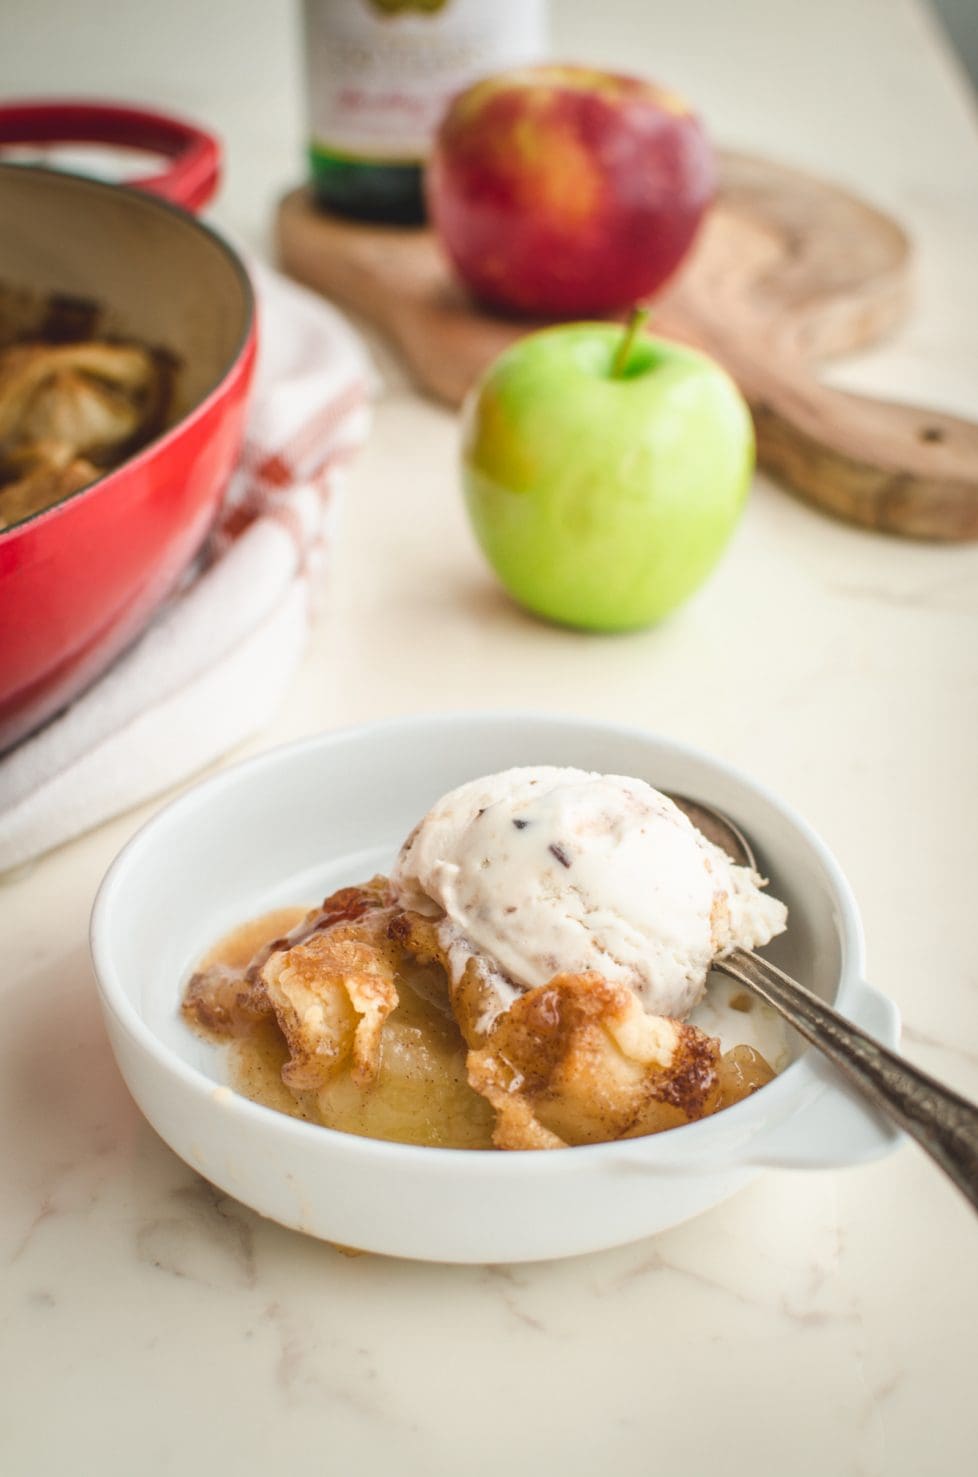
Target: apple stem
{"type": "Point", "coordinates": [636, 322]}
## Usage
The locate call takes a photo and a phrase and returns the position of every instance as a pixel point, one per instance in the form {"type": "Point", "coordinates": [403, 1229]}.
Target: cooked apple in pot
{"type": "Point", "coordinates": [68, 413]}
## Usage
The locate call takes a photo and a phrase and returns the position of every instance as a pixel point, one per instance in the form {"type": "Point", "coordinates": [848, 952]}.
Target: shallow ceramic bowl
{"type": "Point", "coordinates": [298, 822]}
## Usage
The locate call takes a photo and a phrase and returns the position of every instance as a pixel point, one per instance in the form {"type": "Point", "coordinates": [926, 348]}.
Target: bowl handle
{"type": "Point", "coordinates": [193, 156]}
{"type": "Point", "coordinates": [838, 1126]}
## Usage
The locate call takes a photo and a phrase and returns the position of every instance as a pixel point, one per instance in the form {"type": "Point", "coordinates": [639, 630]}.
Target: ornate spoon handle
{"type": "Point", "coordinates": [943, 1123]}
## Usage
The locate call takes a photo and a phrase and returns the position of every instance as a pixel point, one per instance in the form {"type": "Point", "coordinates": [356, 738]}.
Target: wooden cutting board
{"type": "Point", "coordinates": [788, 272]}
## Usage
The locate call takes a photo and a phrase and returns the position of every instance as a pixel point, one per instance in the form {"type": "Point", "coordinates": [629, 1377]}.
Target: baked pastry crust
{"type": "Point", "coordinates": [474, 993]}
{"type": "Point", "coordinates": [230, 1002]}
{"type": "Point", "coordinates": [575, 1061]}
{"type": "Point", "coordinates": [331, 996]}
{"type": "Point", "coordinates": [578, 1061]}
{"type": "Point", "coordinates": [67, 412]}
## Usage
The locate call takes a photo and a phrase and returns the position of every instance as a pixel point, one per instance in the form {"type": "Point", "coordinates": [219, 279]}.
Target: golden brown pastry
{"type": "Point", "coordinates": [68, 411]}
{"type": "Point", "coordinates": [40, 484]}
{"type": "Point", "coordinates": [574, 1061]}
{"type": "Point", "coordinates": [331, 996]}
{"type": "Point", "coordinates": [82, 394]}
{"type": "Point", "coordinates": [578, 1061]}
{"type": "Point", "coordinates": [231, 1001]}
{"type": "Point", "coordinates": [473, 994]}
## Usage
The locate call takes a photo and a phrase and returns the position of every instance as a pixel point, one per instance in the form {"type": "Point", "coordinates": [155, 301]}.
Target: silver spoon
{"type": "Point", "coordinates": [941, 1121]}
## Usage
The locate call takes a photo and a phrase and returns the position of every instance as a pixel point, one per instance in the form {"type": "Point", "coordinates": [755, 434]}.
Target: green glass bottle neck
{"type": "Point", "coordinates": [364, 190]}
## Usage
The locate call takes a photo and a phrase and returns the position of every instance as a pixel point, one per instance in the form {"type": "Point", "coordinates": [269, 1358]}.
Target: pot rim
{"type": "Point", "coordinates": [240, 354]}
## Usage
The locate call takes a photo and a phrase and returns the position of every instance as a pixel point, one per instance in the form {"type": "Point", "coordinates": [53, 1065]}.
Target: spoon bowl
{"type": "Point", "coordinates": [719, 829]}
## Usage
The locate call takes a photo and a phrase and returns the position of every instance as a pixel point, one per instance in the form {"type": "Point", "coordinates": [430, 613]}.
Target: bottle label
{"type": "Point", "coordinates": [380, 72]}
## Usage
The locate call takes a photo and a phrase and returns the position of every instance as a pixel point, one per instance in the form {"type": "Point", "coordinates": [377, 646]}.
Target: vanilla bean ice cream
{"type": "Point", "coordinates": [537, 872]}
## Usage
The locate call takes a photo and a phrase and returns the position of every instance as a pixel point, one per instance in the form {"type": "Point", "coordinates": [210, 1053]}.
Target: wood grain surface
{"type": "Point", "coordinates": [788, 272]}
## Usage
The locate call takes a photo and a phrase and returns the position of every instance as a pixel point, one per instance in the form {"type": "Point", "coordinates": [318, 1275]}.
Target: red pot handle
{"type": "Point", "coordinates": [191, 176]}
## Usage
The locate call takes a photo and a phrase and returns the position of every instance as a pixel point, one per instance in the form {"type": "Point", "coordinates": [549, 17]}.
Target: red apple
{"type": "Point", "coordinates": [560, 190]}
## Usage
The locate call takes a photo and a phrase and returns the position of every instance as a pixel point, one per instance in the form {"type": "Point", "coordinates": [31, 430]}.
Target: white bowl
{"type": "Point", "coordinates": [298, 822]}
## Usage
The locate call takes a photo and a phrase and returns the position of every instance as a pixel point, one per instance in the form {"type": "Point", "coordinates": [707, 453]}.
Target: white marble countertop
{"type": "Point", "coordinates": [150, 1325]}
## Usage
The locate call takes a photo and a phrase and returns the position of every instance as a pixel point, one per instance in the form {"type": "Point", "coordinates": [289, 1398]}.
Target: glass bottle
{"type": "Point", "coordinates": [379, 74]}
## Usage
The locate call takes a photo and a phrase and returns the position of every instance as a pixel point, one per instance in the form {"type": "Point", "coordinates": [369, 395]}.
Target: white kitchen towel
{"type": "Point", "coordinates": [218, 659]}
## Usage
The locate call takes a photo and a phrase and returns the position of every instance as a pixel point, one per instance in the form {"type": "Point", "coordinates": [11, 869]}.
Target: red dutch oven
{"type": "Point", "coordinates": [79, 580]}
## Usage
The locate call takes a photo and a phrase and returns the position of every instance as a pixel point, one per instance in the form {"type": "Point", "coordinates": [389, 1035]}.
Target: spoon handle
{"type": "Point", "coordinates": [943, 1123]}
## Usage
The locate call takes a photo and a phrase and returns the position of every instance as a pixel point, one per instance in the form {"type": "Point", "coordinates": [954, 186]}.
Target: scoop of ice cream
{"type": "Point", "coordinates": [535, 872]}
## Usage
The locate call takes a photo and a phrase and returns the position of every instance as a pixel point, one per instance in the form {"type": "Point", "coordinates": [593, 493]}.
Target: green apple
{"type": "Point", "coordinates": [604, 471]}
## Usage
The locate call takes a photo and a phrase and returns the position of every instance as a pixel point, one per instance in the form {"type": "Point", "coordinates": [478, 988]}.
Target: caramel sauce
{"type": "Point", "coordinates": [238, 948]}
{"type": "Point", "coordinates": [421, 1095]}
